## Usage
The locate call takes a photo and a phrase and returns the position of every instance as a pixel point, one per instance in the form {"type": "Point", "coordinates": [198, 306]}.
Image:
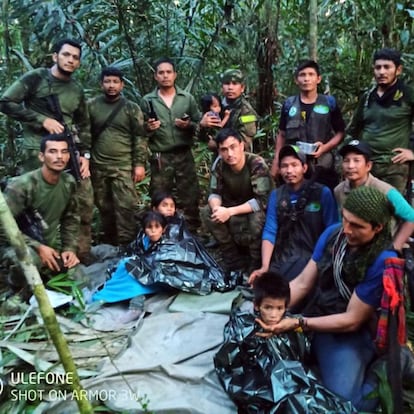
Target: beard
{"type": "Point", "coordinates": [62, 71]}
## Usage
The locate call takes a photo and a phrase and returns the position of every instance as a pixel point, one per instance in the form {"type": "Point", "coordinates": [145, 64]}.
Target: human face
{"type": "Point", "coordinates": [386, 73]}
{"type": "Point", "coordinates": [56, 156]}
{"type": "Point", "coordinates": [112, 86]}
{"type": "Point", "coordinates": [308, 80]}
{"type": "Point", "coordinates": [67, 59]}
{"type": "Point", "coordinates": [358, 232]}
{"type": "Point", "coordinates": [231, 151]}
{"type": "Point", "coordinates": [232, 90]}
{"type": "Point", "coordinates": [215, 105]}
{"type": "Point", "coordinates": [165, 75]}
{"type": "Point", "coordinates": [356, 168]}
{"type": "Point", "coordinates": [166, 207]}
{"type": "Point", "coordinates": [272, 310]}
{"type": "Point", "coordinates": [292, 171]}
{"type": "Point", "coordinates": [154, 231]}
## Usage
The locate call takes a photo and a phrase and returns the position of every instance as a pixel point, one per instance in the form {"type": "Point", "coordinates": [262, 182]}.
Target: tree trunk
{"type": "Point", "coordinates": [313, 30]}
{"type": "Point", "coordinates": [34, 280]}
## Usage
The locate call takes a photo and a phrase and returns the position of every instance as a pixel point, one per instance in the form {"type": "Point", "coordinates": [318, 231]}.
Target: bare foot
{"type": "Point", "coordinates": [130, 315]}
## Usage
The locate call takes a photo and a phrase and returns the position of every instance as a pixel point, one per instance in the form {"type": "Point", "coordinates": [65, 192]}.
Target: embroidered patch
{"type": "Point", "coordinates": [292, 111]}
{"type": "Point", "coordinates": [321, 109]}
{"type": "Point", "coordinates": [313, 207]}
{"type": "Point", "coordinates": [398, 95]}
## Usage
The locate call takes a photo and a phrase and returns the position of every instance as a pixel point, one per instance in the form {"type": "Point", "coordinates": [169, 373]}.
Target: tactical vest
{"type": "Point", "coordinates": [299, 226]}
{"type": "Point", "coordinates": [319, 125]}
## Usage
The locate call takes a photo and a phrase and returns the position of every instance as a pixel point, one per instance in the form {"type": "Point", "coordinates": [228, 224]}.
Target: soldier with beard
{"type": "Point", "coordinates": [28, 100]}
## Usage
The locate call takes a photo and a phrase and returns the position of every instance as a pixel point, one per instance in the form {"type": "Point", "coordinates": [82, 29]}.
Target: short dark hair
{"type": "Point", "coordinates": [207, 100]}
{"type": "Point", "coordinates": [160, 195]}
{"type": "Point", "coordinates": [59, 44]}
{"type": "Point", "coordinates": [388, 54]}
{"type": "Point", "coordinates": [163, 60]}
{"type": "Point", "coordinates": [307, 64]}
{"type": "Point", "coordinates": [52, 137]}
{"type": "Point", "coordinates": [112, 71]}
{"type": "Point", "coordinates": [151, 216]}
{"type": "Point", "coordinates": [225, 133]}
{"type": "Point", "coordinates": [271, 285]}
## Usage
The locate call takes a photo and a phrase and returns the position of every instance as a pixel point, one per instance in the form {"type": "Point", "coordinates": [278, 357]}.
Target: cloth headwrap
{"type": "Point", "coordinates": [369, 204]}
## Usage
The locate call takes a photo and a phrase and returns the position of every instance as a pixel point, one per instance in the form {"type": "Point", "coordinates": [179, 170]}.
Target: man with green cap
{"type": "Point", "coordinates": [347, 268]}
{"type": "Point", "coordinates": [243, 118]}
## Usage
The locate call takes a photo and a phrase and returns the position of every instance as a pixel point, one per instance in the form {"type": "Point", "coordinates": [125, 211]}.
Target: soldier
{"type": "Point", "coordinates": [29, 100]}
{"type": "Point", "coordinates": [50, 192]}
{"type": "Point", "coordinates": [119, 154]}
{"type": "Point", "coordinates": [383, 119]}
{"type": "Point", "coordinates": [171, 128]}
{"type": "Point", "coordinates": [242, 118]}
{"type": "Point", "coordinates": [239, 187]}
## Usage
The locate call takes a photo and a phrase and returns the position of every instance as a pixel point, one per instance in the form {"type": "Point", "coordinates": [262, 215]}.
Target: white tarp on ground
{"type": "Point", "coordinates": [169, 361]}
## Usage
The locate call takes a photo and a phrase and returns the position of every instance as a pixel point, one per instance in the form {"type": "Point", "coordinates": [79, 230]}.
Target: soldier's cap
{"type": "Point", "coordinates": [360, 147]}
{"type": "Point", "coordinates": [293, 151]}
{"type": "Point", "coordinates": [235, 75]}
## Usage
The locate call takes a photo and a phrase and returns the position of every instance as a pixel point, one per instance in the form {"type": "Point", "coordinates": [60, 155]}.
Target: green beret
{"type": "Point", "coordinates": [235, 75]}
{"type": "Point", "coordinates": [369, 204]}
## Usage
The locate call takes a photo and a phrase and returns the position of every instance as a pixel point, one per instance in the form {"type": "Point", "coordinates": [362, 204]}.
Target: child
{"type": "Point", "coordinates": [211, 103]}
{"type": "Point", "coordinates": [250, 367]}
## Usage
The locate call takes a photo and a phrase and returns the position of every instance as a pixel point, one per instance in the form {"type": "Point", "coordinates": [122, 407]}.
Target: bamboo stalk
{"type": "Point", "coordinates": [47, 312]}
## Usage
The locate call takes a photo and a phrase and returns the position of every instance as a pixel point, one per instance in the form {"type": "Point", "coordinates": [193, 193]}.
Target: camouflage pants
{"type": "Point", "coordinates": [175, 172]}
{"type": "Point", "coordinates": [116, 199]}
{"type": "Point", "coordinates": [30, 162]}
{"type": "Point", "coordinates": [240, 233]}
{"type": "Point", "coordinates": [394, 174]}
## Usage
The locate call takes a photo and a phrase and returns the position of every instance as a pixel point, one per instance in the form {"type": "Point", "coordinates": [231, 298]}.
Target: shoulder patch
{"type": "Point", "coordinates": [321, 109]}
{"type": "Point", "coordinates": [245, 119]}
{"type": "Point", "coordinates": [292, 111]}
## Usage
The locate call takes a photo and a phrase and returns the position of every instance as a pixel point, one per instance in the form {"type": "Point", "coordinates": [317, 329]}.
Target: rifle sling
{"type": "Point", "coordinates": [109, 119]}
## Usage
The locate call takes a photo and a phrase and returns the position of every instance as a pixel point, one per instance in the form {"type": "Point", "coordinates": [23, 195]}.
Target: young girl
{"type": "Point", "coordinates": [211, 103]}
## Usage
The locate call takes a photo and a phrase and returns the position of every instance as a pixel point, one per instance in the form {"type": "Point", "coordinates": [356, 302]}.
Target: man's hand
{"type": "Point", "coordinates": [220, 214]}
{"type": "Point", "coordinates": [138, 174]}
{"type": "Point", "coordinates": [52, 126]}
{"type": "Point", "coordinates": [153, 124]}
{"type": "Point", "coordinates": [48, 257]}
{"type": "Point", "coordinates": [255, 274]}
{"type": "Point", "coordinates": [403, 155]}
{"type": "Point", "coordinates": [69, 259]}
{"type": "Point", "coordinates": [320, 150]}
{"type": "Point", "coordinates": [182, 124]}
{"type": "Point", "coordinates": [210, 121]}
{"type": "Point", "coordinates": [286, 324]}
{"type": "Point", "coordinates": [84, 167]}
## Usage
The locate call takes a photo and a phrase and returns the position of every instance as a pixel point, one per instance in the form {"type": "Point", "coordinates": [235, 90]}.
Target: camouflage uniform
{"type": "Point", "coordinates": [58, 206]}
{"type": "Point", "coordinates": [241, 234]}
{"type": "Point", "coordinates": [26, 100]}
{"type": "Point", "coordinates": [115, 152]}
{"type": "Point", "coordinates": [172, 163]}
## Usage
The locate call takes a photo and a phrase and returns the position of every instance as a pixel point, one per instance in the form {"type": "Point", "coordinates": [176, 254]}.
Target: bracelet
{"type": "Point", "coordinates": [302, 324]}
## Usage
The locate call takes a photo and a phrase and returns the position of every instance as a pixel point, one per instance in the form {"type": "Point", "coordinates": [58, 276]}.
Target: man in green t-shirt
{"type": "Point", "coordinates": [239, 188]}
{"type": "Point", "coordinates": [28, 100]}
{"type": "Point", "coordinates": [119, 154]}
{"type": "Point", "coordinates": [47, 197]}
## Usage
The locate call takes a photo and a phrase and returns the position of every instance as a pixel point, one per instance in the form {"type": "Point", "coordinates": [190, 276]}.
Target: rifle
{"type": "Point", "coordinates": [74, 167]}
{"type": "Point", "coordinates": [32, 224]}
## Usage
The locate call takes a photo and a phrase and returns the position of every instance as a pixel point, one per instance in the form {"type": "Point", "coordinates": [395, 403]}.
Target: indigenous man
{"type": "Point", "coordinates": [383, 119]}
{"type": "Point", "coordinates": [119, 154]}
{"type": "Point", "coordinates": [313, 118]}
{"type": "Point", "coordinates": [297, 214]}
{"type": "Point", "coordinates": [239, 187]}
{"type": "Point", "coordinates": [356, 167]}
{"type": "Point", "coordinates": [171, 128]}
{"type": "Point", "coordinates": [30, 101]}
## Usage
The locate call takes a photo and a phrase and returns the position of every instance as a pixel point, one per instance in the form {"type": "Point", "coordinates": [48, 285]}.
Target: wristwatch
{"type": "Point", "coordinates": [87, 155]}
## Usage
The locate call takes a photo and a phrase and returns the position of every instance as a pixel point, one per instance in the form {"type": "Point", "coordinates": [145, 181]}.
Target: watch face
{"type": "Point", "coordinates": [87, 155]}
